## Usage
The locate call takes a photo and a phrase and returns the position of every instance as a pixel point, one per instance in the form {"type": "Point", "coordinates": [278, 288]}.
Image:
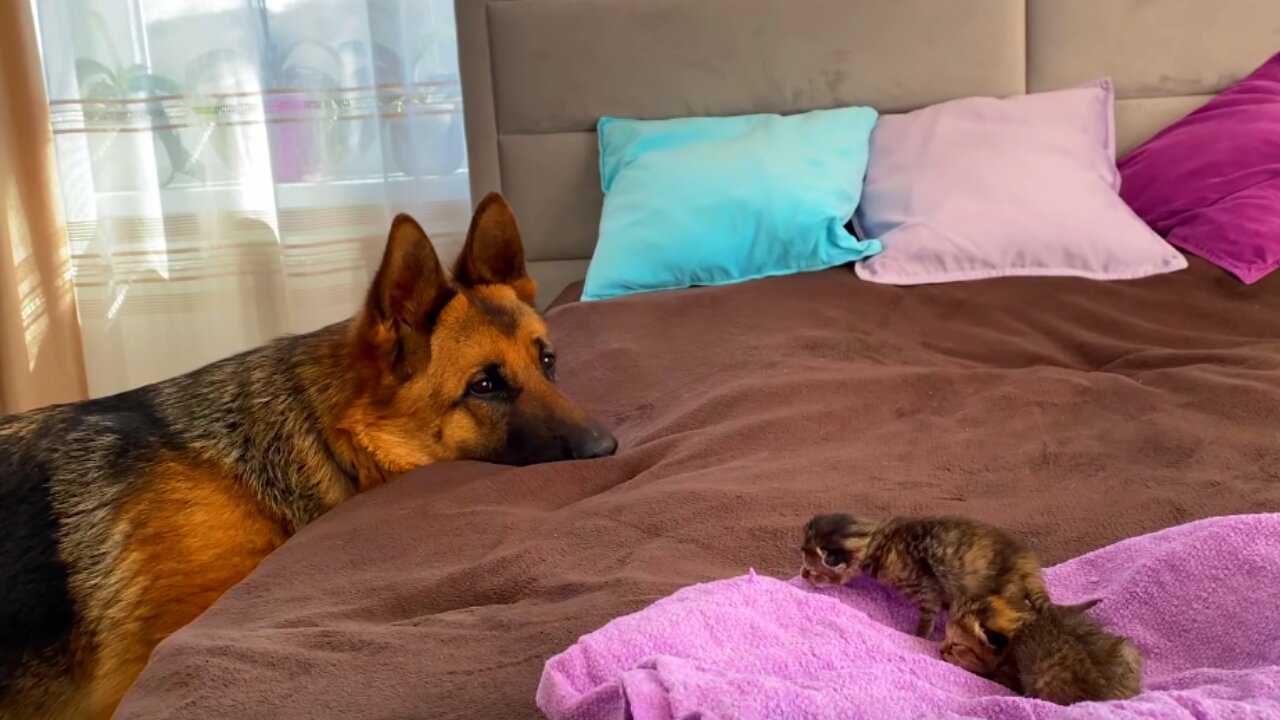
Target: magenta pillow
{"type": "Point", "coordinates": [1210, 182]}
{"type": "Point", "coordinates": [985, 187]}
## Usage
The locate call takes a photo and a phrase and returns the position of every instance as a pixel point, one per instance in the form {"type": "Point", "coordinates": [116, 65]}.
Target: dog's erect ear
{"type": "Point", "coordinates": [494, 254]}
{"type": "Point", "coordinates": [410, 286]}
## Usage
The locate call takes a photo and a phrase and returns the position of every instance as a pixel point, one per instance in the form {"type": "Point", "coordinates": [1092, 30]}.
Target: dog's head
{"type": "Point", "coordinates": [461, 368]}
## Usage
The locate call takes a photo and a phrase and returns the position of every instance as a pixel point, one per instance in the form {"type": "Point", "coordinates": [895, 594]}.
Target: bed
{"type": "Point", "coordinates": [1074, 412]}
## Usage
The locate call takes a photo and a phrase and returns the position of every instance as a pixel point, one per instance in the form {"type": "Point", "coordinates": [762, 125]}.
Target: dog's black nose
{"type": "Point", "coordinates": [595, 442]}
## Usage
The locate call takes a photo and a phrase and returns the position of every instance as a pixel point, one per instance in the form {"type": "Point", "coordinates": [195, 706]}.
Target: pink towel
{"type": "Point", "coordinates": [1202, 602]}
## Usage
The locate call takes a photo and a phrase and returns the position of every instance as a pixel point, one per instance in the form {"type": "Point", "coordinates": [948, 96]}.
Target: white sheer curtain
{"type": "Point", "coordinates": [229, 168]}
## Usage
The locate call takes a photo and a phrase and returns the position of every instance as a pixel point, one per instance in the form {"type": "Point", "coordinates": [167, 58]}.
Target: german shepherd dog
{"type": "Point", "coordinates": [127, 516]}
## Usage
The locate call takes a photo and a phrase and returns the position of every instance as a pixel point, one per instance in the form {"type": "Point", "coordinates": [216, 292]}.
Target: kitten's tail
{"type": "Point", "coordinates": [1038, 599]}
{"type": "Point", "coordinates": [1081, 607]}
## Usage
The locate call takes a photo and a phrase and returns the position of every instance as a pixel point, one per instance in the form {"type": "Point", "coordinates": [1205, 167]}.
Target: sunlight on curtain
{"type": "Point", "coordinates": [229, 168]}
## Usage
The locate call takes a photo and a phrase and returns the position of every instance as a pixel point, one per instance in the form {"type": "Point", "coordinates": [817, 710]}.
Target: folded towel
{"type": "Point", "coordinates": [1202, 602]}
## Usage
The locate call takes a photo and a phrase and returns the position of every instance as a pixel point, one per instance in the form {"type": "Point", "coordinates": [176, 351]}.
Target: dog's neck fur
{"type": "Point", "coordinates": [282, 425]}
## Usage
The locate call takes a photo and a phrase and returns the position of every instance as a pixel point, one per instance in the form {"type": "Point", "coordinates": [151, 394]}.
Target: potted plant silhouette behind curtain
{"type": "Point", "coordinates": [423, 127]}
{"type": "Point", "coordinates": [116, 153]}
{"type": "Point", "coordinates": [296, 85]}
{"type": "Point", "coordinates": [425, 124]}
{"type": "Point", "coordinates": [301, 107]}
{"type": "Point", "coordinates": [312, 106]}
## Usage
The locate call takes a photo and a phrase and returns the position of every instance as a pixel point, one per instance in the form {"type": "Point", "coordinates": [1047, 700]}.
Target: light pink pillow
{"type": "Point", "coordinates": [984, 187]}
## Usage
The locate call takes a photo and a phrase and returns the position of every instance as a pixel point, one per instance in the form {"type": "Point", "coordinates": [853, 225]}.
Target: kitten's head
{"type": "Point", "coordinates": [978, 636]}
{"type": "Point", "coordinates": [972, 646]}
{"type": "Point", "coordinates": [833, 549]}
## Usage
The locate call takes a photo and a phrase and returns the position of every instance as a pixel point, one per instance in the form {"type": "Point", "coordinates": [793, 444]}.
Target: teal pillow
{"type": "Point", "coordinates": [712, 201]}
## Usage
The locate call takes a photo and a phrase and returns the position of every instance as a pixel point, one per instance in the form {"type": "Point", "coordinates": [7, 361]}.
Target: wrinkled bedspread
{"type": "Point", "coordinates": [1076, 413]}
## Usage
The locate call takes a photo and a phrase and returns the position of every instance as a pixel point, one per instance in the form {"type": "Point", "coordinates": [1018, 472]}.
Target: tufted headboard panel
{"type": "Point", "coordinates": [538, 73]}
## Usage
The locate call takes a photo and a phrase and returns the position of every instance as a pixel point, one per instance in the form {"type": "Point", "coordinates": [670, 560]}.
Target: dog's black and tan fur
{"type": "Point", "coordinates": [127, 516]}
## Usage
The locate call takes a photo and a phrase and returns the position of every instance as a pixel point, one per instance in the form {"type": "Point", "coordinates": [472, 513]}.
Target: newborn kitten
{"type": "Point", "coordinates": [938, 562]}
{"type": "Point", "coordinates": [1058, 654]}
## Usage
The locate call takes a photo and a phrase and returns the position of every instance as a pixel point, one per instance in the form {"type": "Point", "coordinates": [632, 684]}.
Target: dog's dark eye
{"type": "Point", "coordinates": [548, 362]}
{"type": "Point", "coordinates": [483, 386]}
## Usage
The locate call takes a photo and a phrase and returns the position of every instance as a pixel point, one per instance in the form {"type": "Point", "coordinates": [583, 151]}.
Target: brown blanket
{"type": "Point", "coordinates": [1074, 412]}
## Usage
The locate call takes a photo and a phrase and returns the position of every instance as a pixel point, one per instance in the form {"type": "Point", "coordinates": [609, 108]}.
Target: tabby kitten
{"type": "Point", "coordinates": [1059, 654]}
{"type": "Point", "coordinates": [938, 562]}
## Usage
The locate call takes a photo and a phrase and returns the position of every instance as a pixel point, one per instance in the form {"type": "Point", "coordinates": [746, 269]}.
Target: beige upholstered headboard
{"type": "Point", "coordinates": [538, 73]}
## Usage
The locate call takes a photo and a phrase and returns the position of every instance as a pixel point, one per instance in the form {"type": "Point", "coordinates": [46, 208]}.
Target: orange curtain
{"type": "Point", "coordinates": [40, 357]}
